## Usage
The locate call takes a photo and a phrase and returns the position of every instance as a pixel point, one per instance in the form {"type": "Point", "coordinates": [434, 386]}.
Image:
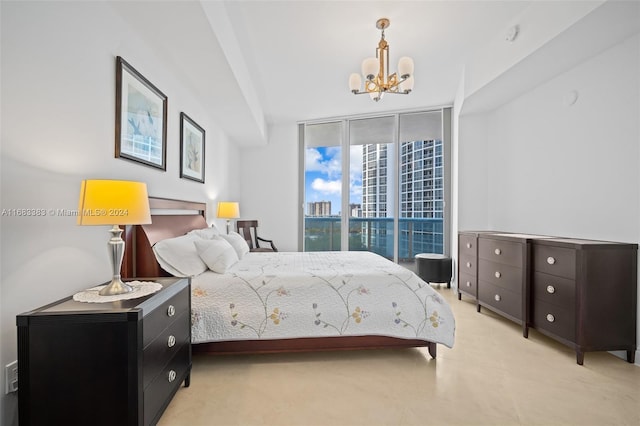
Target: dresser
{"type": "Point", "coordinates": [468, 264]}
{"type": "Point", "coordinates": [503, 275]}
{"type": "Point", "coordinates": [115, 363]}
{"type": "Point", "coordinates": [583, 294]}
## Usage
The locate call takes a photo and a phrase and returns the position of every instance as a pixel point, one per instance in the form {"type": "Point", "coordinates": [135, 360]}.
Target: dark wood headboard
{"type": "Point", "coordinates": [181, 217]}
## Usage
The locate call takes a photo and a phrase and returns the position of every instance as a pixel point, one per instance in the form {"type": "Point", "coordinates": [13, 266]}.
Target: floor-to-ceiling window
{"type": "Point", "coordinates": [393, 198]}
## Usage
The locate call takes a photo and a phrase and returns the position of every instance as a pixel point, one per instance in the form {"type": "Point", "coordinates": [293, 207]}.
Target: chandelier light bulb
{"type": "Point", "coordinates": [354, 82]}
{"type": "Point", "coordinates": [405, 67]}
{"type": "Point", "coordinates": [370, 68]}
{"type": "Point", "coordinates": [407, 85]}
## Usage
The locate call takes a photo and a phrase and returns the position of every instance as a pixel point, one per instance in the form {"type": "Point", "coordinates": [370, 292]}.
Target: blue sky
{"type": "Point", "coordinates": [323, 175]}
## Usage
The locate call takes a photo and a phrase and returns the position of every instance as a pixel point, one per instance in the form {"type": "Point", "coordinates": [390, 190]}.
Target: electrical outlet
{"type": "Point", "coordinates": [11, 377]}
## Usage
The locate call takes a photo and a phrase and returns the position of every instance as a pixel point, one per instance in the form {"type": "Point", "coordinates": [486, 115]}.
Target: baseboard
{"type": "Point", "coordinates": [623, 355]}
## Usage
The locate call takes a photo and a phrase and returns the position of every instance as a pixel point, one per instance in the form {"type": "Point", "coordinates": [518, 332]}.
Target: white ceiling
{"type": "Point", "coordinates": [254, 63]}
{"type": "Point", "coordinates": [301, 52]}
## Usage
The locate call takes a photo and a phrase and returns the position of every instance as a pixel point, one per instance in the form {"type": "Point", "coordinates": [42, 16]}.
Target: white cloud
{"type": "Point", "coordinates": [314, 162]}
{"type": "Point", "coordinates": [326, 186]}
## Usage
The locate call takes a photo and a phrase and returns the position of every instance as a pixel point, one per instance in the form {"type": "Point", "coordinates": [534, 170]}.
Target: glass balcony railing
{"type": "Point", "coordinates": [376, 235]}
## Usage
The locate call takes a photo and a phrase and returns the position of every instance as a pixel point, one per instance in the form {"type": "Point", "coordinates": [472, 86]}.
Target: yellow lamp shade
{"type": "Point", "coordinates": [113, 202]}
{"type": "Point", "coordinates": [228, 210]}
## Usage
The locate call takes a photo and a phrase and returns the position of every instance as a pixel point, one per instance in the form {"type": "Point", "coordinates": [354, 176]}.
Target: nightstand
{"type": "Point", "coordinates": [115, 363]}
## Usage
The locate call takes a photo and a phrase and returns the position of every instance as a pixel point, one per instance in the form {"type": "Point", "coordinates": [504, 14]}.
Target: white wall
{"type": "Point", "coordinates": [570, 169]}
{"type": "Point", "coordinates": [58, 113]}
{"type": "Point", "coordinates": [270, 186]}
{"type": "Point", "coordinates": [559, 169]}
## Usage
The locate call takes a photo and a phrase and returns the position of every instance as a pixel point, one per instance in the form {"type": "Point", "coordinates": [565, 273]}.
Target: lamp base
{"type": "Point", "coordinates": [116, 251]}
{"type": "Point", "coordinates": [116, 286]}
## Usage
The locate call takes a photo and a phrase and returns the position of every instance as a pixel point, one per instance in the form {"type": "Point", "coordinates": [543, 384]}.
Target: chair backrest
{"type": "Point", "coordinates": [247, 228]}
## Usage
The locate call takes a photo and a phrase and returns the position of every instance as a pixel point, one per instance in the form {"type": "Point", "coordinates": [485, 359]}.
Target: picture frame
{"type": "Point", "coordinates": [192, 149]}
{"type": "Point", "coordinates": [141, 118]}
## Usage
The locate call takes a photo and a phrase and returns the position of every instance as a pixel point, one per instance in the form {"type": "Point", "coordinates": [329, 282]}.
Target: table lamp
{"type": "Point", "coordinates": [228, 210]}
{"type": "Point", "coordinates": [114, 202]}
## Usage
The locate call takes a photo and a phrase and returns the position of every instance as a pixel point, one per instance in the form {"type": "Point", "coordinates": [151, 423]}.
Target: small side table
{"type": "Point", "coordinates": [434, 268]}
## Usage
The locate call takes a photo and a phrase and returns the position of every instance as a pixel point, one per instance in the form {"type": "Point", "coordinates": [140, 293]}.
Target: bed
{"type": "Point", "coordinates": [290, 301]}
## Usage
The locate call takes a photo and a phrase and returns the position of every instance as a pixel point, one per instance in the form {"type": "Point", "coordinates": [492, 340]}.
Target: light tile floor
{"type": "Point", "coordinates": [492, 376]}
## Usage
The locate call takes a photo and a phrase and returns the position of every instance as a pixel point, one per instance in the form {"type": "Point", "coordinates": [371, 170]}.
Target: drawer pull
{"type": "Point", "coordinates": [172, 376]}
{"type": "Point", "coordinates": [468, 245]}
{"type": "Point", "coordinates": [551, 289]}
{"type": "Point", "coordinates": [468, 284]}
{"type": "Point", "coordinates": [498, 251]}
{"type": "Point", "coordinates": [498, 274]}
{"type": "Point", "coordinates": [497, 297]}
{"type": "Point", "coordinates": [171, 341]}
{"type": "Point", "coordinates": [551, 260]}
{"type": "Point", "coordinates": [550, 318]}
{"type": "Point", "coordinates": [468, 264]}
{"type": "Point", "coordinates": [171, 311]}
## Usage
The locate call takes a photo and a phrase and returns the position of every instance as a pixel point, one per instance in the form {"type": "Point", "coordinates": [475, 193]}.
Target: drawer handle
{"type": "Point", "coordinates": [468, 264]}
{"type": "Point", "coordinates": [498, 274]}
{"type": "Point", "coordinates": [498, 251]}
{"type": "Point", "coordinates": [550, 318]}
{"type": "Point", "coordinates": [468, 245]}
{"type": "Point", "coordinates": [171, 311]}
{"type": "Point", "coordinates": [497, 297]}
{"type": "Point", "coordinates": [171, 341]}
{"type": "Point", "coordinates": [551, 289]}
{"type": "Point", "coordinates": [551, 260]}
{"type": "Point", "coordinates": [172, 376]}
{"type": "Point", "coordinates": [468, 284]}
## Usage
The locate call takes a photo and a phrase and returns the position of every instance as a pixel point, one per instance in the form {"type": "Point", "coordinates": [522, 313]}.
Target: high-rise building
{"type": "Point", "coordinates": [319, 208]}
{"type": "Point", "coordinates": [421, 180]}
{"type": "Point", "coordinates": [421, 195]}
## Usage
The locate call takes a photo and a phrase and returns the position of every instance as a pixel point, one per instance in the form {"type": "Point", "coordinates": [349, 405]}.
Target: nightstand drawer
{"type": "Point", "coordinates": [554, 319]}
{"type": "Point", "coordinates": [504, 300]}
{"type": "Point", "coordinates": [161, 317]}
{"type": "Point", "coordinates": [164, 347]}
{"type": "Point", "coordinates": [468, 284]}
{"type": "Point", "coordinates": [499, 251]}
{"type": "Point", "coordinates": [467, 245]}
{"type": "Point", "coordinates": [467, 265]}
{"type": "Point", "coordinates": [157, 393]}
{"type": "Point", "coordinates": [557, 261]}
{"type": "Point", "coordinates": [555, 290]}
{"type": "Point", "coordinates": [504, 276]}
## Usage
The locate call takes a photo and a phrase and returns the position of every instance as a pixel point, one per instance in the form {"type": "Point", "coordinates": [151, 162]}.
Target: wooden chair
{"type": "Point", "coordinates": [249, 231]}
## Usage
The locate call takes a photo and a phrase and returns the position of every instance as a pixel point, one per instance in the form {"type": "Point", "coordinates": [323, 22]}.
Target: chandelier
{"type": "Point", "coordinates": [377, 80]}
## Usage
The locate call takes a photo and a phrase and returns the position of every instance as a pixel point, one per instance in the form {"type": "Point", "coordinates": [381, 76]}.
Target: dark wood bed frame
{"type": "Point", "coordinates": [182, 216]}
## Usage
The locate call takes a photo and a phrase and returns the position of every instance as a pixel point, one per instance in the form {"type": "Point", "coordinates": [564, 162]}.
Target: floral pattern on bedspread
{"type": "Point", "coordinates": [315, 294]}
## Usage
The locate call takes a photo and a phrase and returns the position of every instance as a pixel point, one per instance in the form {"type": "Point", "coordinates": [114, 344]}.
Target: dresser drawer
{"type": "Point", "coordinates": [556, 261]}
{"type": "Point", "coordinates": [504, 276]}
{"type": "Point", "coordinates": [164, 347]}
{"type": "Point", "coordinates": [555, 290]}
{"type": "Point", "coordinates": [159, 392]}
{"type": "Point", "coordinates": [502, 299]}
{"type": "Point", "coordinates": [468, 284]}
{"type": "Point", "coordinates": [467, 265]}
{"type": "Point", "coordinates": [161, 317]}
{"type": "Point", "coordinates": [467, 245]}
{"type": "Point", "coordinates": [554, 319]}
{"type": "Point", "coordinates": [505, 252]}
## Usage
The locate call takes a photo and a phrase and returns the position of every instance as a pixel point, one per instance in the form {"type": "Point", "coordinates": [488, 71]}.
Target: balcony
{"type": "Point", "coordinates": [417, 235]}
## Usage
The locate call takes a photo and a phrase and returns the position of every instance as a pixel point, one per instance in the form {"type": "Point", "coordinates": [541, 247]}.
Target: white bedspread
{"type": "Point", "coordinates": [315, 294]}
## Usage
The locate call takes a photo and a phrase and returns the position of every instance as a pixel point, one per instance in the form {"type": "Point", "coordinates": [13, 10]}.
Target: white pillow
{"type": "Point", "coordinates": [205, 233]}
{"type": "Point", "coordinates": [237, 242]}
{"type": "Point", "coordinates": [217, 253]}
{"type": "Point", "coordinates": [179, 257]}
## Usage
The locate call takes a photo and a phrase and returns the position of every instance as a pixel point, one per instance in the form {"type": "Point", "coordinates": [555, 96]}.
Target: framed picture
{"type": "Point", "coordinates": [141, 118]}
{"type": "Point", "coordinates": [191, 149]}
